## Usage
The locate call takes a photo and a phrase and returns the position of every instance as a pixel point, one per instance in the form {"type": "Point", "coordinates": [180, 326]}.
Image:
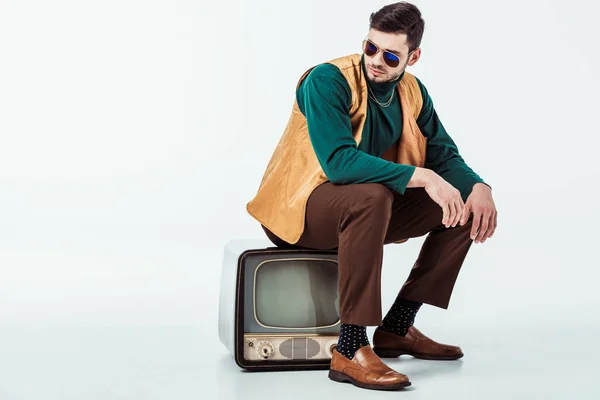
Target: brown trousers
{"type": "Point", "coordinates": [358, 220]}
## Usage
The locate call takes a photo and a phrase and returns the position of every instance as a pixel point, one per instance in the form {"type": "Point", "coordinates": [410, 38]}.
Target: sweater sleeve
{"type": "Point", "coordinates": [324, 98]}
{"type": "Point", "coordinates": [442, 153]}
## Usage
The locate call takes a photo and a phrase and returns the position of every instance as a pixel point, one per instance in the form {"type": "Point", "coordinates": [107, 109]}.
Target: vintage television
{"type": "Point", "coordinates": [279, 307]}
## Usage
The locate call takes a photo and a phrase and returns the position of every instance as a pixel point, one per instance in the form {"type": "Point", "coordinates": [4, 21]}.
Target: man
{"type": "Point", "coordinates": [364, 161]}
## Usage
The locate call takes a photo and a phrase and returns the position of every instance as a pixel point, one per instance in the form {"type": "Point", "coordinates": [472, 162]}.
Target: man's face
{"type": "Point", "coordinates": [377, 69]}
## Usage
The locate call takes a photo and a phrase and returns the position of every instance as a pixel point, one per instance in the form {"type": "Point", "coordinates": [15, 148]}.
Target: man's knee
{"type": "Point", "coordinates": [379, 194]}
{"type": "Point", "coordinates": [376, 205]}
{"type": "Point", "coordinates": [374, 198]}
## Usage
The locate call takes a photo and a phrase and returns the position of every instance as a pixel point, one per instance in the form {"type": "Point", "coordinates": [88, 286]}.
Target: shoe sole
{"type": "Point", "coordinates": [391, 353]}
{"type": "Point", "coordinates": [341, 377]}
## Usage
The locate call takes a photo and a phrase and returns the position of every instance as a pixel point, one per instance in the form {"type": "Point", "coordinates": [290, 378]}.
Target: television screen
{"type": "Point", "coordinates": [297, 293]}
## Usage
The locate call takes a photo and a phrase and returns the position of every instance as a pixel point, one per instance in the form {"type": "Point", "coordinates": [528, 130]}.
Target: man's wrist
{"type": "Point", "coordinates": [420, 177]}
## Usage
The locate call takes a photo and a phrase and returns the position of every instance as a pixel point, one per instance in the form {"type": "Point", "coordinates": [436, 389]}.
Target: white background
{"type": "Point", "coordinates": [133, 133]}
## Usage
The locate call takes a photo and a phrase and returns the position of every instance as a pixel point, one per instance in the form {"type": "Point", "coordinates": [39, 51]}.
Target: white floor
{"type": "Point", "coordinates": [187, 363]}
{"type": "Point", "coordinates": [119, 323]}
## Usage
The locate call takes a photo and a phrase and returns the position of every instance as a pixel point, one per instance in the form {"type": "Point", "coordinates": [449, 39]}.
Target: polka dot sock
{"type": "Point", "coordinates": [352, 338]}
{"type": "Point", "coordinates": [401, 316]}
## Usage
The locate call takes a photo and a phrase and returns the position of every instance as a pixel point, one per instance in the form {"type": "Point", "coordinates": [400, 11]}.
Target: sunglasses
{"type": "Point", "coordinates": [370, 49]}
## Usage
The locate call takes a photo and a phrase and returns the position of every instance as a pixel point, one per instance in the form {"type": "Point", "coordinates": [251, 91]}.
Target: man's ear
{"type": "Point", "coordinates": [414, 57]}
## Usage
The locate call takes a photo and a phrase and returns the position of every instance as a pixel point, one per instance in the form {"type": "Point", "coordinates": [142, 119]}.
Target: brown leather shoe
{"type": "Point", "coordinates": [365, 370]}
{"type": "Point", "coordinates": [415, 343]}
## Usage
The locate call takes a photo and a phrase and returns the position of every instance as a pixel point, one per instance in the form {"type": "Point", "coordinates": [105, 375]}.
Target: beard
{"type": "Point", "coordinates": [384, 77]}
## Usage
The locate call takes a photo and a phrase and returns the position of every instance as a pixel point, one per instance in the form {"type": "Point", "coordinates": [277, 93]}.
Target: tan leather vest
{"type": "Point", "coordinates": [294, 170]}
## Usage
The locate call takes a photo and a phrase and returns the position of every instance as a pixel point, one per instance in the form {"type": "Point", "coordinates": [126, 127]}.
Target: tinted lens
{"type": "Point", "coordinates": [391, 59]}
{"type": "Point", "coordinates": [369, 48]}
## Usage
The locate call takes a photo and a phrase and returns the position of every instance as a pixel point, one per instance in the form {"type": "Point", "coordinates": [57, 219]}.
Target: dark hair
{"type": "Point", "coordinates": [398, 18]}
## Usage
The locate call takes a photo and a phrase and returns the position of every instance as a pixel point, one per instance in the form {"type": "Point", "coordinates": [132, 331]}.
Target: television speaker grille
{"type": "Point", "coordinates": [299, 348]}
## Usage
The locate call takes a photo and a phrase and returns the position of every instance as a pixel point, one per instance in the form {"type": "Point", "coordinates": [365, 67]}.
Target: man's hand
{"type": "Point", "coordinates": [485, 216]}
{"type": "Point", "coordinates": [440, 191]}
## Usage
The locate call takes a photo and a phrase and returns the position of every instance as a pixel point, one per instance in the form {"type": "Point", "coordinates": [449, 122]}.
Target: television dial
{"type": "Point", "coordinates": [265, 349]}
{"type": "Point", "coordinates": [329, 346]}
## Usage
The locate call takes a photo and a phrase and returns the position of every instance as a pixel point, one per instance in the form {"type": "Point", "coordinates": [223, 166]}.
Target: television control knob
{"type": "Point", "coordinates": [264, 350]}
{"type": "Point", "coordinates": [329, 346]}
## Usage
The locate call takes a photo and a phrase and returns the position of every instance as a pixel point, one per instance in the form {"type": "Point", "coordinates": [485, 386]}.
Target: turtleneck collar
{"type": "Point", "coordinates": [381, 89]}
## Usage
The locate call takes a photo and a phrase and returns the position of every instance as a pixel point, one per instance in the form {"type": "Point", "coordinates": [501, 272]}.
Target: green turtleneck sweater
{"type": "Point", "coordinates": [324, 98]}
